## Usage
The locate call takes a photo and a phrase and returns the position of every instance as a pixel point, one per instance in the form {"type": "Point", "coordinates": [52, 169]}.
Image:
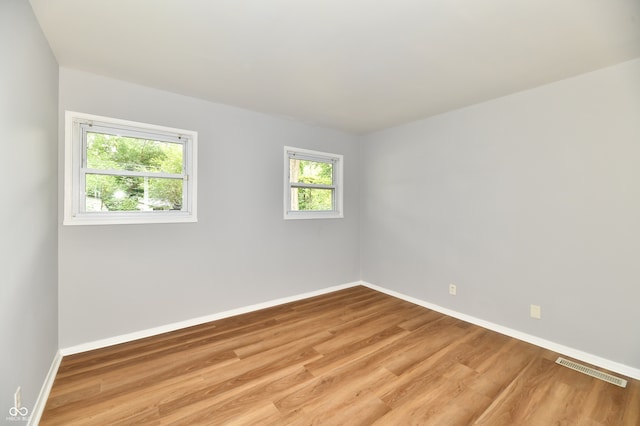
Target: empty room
{"type": "Point", "coordinates": [285, 212]}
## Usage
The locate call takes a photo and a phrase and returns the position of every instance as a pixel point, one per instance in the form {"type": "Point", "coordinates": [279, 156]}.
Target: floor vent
{"type": "Point", "coordinates": [591, 372]}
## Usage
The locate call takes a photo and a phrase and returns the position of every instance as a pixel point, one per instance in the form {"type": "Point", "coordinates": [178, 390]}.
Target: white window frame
{"type": "Point", "coordinates": [337, 186]}
{"type": "Point", "coordinates": [74, 189]}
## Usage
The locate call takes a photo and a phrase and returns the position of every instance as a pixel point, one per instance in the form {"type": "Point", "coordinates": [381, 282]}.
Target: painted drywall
{"type": "Point", "coordinates": [533, 198]}
{"type": "Point", "coordinates": [28, 231]}
{"type": "Point", "coordinates": [122, 279]}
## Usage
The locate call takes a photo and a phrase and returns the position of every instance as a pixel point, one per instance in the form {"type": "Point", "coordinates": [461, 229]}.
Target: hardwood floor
{"type": "Point", "coordinates": [355, 357]}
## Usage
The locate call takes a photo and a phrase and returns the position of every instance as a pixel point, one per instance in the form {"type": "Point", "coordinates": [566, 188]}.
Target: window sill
{"type": "Point", "coordinates": [129, 219]}
{"type": "Point", "coordinates": [295, 215]}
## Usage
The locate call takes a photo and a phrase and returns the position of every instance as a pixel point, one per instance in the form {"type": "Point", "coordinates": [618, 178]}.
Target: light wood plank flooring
{"type": "Point", "coordinates": [353, 357]}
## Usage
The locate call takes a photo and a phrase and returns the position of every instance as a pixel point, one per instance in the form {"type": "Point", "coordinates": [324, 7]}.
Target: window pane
{"type": "Point", "coordinates": [311, 199]}
{"type": "Point", "coordinates": [125, 193]}
{"type": "Point", "coordinates": [108, 152]}
{"type": "Point", "coordinates": [307, 171]}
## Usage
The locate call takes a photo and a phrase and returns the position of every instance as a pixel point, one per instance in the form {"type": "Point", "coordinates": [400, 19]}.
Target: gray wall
{"type": "Point", "coordinates": [532, 198]}
{"type": "Point", "coordinates": [122, 279]}
{"type": "Point", "coordinates": [28, 231]}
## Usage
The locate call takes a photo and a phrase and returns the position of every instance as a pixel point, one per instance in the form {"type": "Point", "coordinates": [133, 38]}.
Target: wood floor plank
{"type": "Point", "coordinates": [192, 336]}
{"type": "Point", "coordinates": [631, 408]}
{"type": "Point", "coordinates": [127, 378]}
{"type": "Point", "coordinates": [352, 357]}
{"type": "Point", "coordinates": [229, 407]}
{"type": "Point", "coordinates": [264, 414]}
{"type": "Point", "coordinates": [423, 316]}
{"type": "Point", "coordinates": [431, 339]}
{"type": "Point", "coordinates": [248, 377]}
{"type": "Point", "coordinates": [352, 395]}
{"type": "Point", "coordinates": [429, 405]}
{"type": "Point", "coordinates": [363, 328]}
{"type": "Point", "coordinates": [356, 350]}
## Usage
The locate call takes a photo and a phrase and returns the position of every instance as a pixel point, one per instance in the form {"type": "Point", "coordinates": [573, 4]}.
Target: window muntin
{"type": "Point", "coordinates": [124, 172]}
{"type": "Point", "coordinates": [312, 184]}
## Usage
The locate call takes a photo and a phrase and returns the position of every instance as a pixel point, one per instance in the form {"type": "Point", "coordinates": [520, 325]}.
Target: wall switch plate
{"type": "Point", "coordinates": [534, 311]}
{"type": "Point", "coordinates": [453, 290]}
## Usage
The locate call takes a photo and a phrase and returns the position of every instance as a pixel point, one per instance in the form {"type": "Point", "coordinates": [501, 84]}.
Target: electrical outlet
{"type": "Point", "coordinates": [534, 311]}
{"type": "Point", "coordinates": [453, 290]}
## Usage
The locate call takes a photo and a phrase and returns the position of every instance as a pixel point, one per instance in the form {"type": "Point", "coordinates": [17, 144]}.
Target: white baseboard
{"type": "Point", "coordinates": [41, 402]}
{"type": "Point", "coordinates": [97, 344]}
{"type": "Point", "coordinates": [555, 347]}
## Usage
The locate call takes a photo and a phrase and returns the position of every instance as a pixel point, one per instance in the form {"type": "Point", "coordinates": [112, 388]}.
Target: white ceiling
{"type": "Point", "coordinates": [355, 65]}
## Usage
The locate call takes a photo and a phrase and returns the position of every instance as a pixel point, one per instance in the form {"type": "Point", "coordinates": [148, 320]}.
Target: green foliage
{"type": "Point", "coordinates": [314, 199]}
{"type": "Point", "coordinates": [313, 172]}
{"type": "Point", "coordinates": [109, 192]}
{"type": "Point", "coordinates": [167, 189]}
{"type": "Point", "coordinates": [127, 204]}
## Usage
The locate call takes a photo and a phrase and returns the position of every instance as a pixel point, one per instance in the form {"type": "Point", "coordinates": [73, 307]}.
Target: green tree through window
{"type": "Point", "coordinates": [113, 192]}
{"type": "Point", "coordinates": [315, 173]}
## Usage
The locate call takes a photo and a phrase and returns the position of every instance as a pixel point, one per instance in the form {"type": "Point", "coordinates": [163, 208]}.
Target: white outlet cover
{"type": "Point", "coordinates": [535, 311]}
{"type": "Point", "coordinates": [452, 289]}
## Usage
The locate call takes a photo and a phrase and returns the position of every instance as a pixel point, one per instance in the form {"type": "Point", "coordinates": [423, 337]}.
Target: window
{"type": "Point", "coordinates": [313, 184]}
{"type": "Point", "coordinates": [119, 172]}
